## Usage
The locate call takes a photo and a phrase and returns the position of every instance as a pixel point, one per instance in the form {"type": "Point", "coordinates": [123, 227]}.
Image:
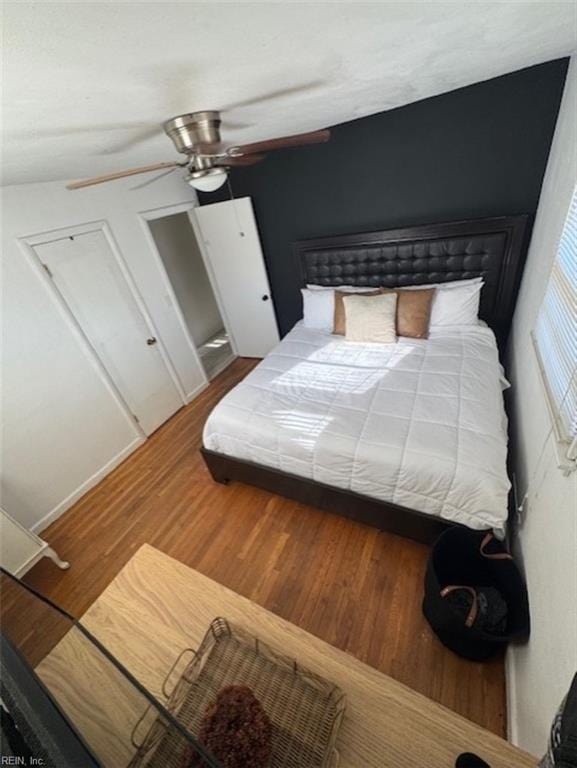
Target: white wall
{"type": "Point", "coordinates": [182, 259]}
{"type": "Point", "coordinates": [539, 673]}
{"type": "Point", "coordinates": [63, 426]}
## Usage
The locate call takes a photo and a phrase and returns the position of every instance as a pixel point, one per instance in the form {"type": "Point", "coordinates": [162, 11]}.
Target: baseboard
{"type": "Point", "coordinates": [511, 694]}
{"type": "Point", "coordinates": [196, 391]}
{"type": "Point", "coordinates": [60, 508]}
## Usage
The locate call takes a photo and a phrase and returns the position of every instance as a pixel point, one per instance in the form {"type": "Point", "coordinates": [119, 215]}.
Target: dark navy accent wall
{"type": "Point", "coordinates": [475, 152]}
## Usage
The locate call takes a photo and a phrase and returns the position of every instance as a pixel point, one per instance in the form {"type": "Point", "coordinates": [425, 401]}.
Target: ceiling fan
{"type": "Point", "coordinates": [197, 135]}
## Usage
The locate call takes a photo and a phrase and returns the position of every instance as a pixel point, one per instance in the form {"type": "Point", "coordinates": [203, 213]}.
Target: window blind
{"type": "Point", "coordinates": [556, 332]}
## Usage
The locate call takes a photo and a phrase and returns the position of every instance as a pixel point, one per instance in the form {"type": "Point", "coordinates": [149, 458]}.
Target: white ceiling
{"type": "Point", "coordinates": [83, 80]}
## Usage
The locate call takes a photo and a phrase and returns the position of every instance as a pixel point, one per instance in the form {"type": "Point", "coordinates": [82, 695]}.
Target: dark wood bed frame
{"type": "Point", "coordinates": [490, 248]}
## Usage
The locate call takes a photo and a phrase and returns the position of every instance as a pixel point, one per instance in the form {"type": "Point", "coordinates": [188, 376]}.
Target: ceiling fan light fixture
{"type": "Point", "coordinates": [208, 179]}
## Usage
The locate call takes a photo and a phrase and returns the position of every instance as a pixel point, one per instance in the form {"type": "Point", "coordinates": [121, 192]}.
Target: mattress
{"type": "Point", "coordinates": [419, 423]}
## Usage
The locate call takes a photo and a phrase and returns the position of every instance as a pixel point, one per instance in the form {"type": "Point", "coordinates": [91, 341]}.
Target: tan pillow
{"type": "Point", "coordinates": [339, 325]}
{"type": "Point", "coordinates": [371, 318]}
{"type": "Point", "coordinates": [413, 311]}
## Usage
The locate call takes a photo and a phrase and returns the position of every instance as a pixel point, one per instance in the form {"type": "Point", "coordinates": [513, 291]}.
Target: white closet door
{"type": "Point", "coordinates": [236, 265]}
{"type": "Point", "coordinates": [89, 278]}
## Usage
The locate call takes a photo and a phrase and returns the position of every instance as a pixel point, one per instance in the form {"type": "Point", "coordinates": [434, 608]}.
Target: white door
{"type": "Point", "coordinates": [89, 278]}
{"type": "Point", "coordinates": [236, 266]}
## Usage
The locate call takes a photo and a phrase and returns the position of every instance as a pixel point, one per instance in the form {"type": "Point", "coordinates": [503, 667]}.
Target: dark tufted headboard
{"type": "Point", "coordinates": [490, 248]}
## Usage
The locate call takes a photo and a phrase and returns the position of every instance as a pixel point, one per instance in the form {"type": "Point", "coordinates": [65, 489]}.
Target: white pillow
{"type": "Point", "coordinates": [456, 306]}
{"type": "Point", "coordinates": [319, 305]}
{"type": "Point", "coordinates": [450, 284]}
{"type": "Point", "coordinates": [371, 319]}
{"type": "Point", "coordinates": [318, 309]}
{"type": "Point", "coordinates": [454, 303]}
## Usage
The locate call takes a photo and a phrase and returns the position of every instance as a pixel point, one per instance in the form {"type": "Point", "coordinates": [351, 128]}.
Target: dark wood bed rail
{"type": "Point", "coordinates": [378, 514]}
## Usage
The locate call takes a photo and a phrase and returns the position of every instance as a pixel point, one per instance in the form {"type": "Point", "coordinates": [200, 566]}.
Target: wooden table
{"type": "Point", "coordinates": [156, 606]}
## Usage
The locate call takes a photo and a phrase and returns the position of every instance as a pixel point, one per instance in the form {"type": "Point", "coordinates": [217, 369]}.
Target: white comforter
{"type": "Point", "coordinates": [418, 423]}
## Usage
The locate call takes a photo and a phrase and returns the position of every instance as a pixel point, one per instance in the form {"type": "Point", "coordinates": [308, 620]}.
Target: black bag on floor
{"type": "Point", "coordinates": [475, 597]}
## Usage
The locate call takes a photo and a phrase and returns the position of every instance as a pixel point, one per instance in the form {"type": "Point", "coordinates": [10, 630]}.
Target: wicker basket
{"type": "Point", "coordinates": [305, 710]}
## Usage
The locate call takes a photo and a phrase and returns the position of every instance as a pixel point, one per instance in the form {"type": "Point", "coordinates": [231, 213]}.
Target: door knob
{"type": "Point", "coordinates": [151, 341]}
{"type": "Point", "coordinates": [265, 297]}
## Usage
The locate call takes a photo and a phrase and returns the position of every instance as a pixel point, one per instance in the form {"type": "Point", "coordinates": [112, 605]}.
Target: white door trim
{"type": "Point", "coordinates": [28, 244]}
{"type": "Point", "coordinates": [61, 233]}
{"type": "Point", "coordinates": [211, 276]}
{"type": "Point", "coordinates": [104, 227]}
{"type": "Point", "coordinates": [159, 213]}
{"type": "Point", "coordinates": [83, 343]}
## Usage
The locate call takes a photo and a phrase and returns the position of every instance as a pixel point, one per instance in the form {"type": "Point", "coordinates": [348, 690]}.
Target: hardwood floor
{"type": "Point", "coordinates": [353, 586]}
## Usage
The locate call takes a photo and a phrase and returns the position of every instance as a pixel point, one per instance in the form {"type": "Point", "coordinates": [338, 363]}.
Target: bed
{"type": "Point", "coordinates": [410, 437]}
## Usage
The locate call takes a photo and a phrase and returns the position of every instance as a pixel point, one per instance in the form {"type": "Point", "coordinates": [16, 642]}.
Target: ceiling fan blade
{"type": "Point", "coordinates": [120, 175]}
{"type": "Point", "coordinates": [142, 136]}
{"type": "Point", "coordinates": [153, 179]}
{"type": "Point", "coordinates": [242, 160]}
{"type": "Point", "coordinates": [300, 140]}
{"type": "Point", "coordinates": [271, 95]}
{"type": "Point", "coordinates": [56, 133]}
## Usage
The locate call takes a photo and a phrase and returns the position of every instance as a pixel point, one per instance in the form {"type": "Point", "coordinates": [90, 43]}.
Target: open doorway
{"type": "Point", "coordinates": [178, 248]}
